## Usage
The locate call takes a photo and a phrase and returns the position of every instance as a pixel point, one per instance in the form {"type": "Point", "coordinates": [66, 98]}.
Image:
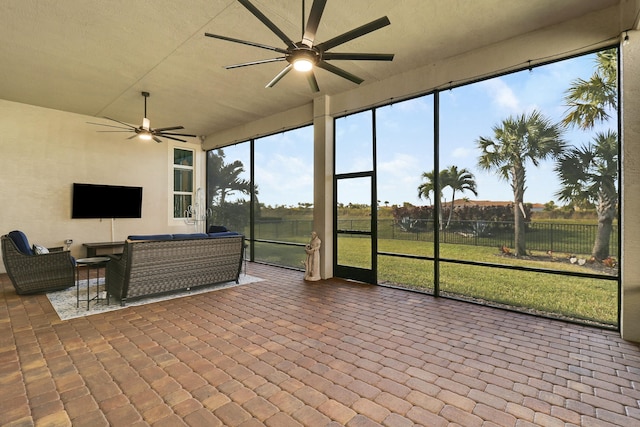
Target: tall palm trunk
{"type": "Point", "coordinates": [518, 209]}
{"type": "Point", "coordinates": [453, 198]}
{"type": "Point", "coordinates": [606, 210]}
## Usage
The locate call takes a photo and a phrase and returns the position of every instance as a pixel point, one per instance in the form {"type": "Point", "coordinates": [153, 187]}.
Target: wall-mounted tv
{"type": "Point", "coordinates": [106, 201]}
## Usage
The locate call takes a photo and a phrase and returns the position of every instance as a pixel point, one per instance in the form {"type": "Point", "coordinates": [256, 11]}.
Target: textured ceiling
{"type": "Point", "coordinates": [95, 57]}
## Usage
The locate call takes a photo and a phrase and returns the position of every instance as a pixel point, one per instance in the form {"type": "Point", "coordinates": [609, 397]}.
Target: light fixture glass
{"type": "Point", "coordinates": [144, 135]}
{"type": "Point", "coordinates": [302, 64]}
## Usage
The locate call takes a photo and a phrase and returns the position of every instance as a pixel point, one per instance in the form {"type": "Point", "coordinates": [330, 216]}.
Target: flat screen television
{"type": "Point", "coordinates": [106, 201]}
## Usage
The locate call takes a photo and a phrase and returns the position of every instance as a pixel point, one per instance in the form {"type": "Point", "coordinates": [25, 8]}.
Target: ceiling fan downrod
{"type": "Point", "coordinates": [145, 132]}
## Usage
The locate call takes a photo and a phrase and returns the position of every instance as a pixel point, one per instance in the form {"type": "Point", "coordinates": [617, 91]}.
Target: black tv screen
{"type": "Point", "coordinates": [106, 201]}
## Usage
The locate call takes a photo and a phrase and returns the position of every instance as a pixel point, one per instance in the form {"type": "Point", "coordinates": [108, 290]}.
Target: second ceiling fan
{"type": "Point", "coordinates": [145, 131]}
{"type": "Point", "coordinates": [305, 54]}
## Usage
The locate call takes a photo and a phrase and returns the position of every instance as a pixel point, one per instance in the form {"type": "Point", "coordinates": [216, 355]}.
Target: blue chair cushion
{"type": "Point", "coordinates": [150, 237]}
{"type": "Point", "coordinates": [224, 234]}
{"type": "Point", "coordinates": [21, 242]}
{"type": "Point", "coordinates": [190, 236]}
{"type": "Point", "coordinates": [217, 229]}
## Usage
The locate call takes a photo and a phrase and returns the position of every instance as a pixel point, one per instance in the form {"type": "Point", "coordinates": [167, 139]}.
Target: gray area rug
{"type": "Point", "coordinates": [66, 305]}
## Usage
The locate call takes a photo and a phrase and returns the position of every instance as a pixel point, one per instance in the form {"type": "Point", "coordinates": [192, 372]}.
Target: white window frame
{"type": "Point", "coordinates": [175, 167]}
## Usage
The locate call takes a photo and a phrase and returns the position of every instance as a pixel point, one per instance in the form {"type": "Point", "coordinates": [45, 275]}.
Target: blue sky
{"type": "Point", "coordinates": [405, 140]}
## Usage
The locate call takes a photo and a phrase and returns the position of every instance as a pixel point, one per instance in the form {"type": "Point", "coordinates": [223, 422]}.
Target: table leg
{"type": "Point", "coordinates": [106, 288]}
{"type": "Point", "coordinates": [77, 287]}
{"type": "Point", "coordinates": [88, 283]}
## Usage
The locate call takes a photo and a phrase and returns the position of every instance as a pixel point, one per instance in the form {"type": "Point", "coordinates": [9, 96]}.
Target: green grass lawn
{"type": "Point", "coordinates": [574, 297]}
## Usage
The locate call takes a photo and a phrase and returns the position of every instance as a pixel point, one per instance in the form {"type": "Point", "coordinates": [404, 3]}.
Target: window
{"type": "Point", "coordinates": [275, 174]}
{"type": "Point", "coordinates": [404, 146]}
{"type": "Point", "coordinates": [283, 211]}
{"type": "Point", "coordinates": [229, 187]}
{"type": "Point", "coordinates": [182, 181]}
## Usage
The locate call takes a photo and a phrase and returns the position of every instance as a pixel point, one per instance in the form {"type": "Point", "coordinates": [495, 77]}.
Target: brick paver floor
{"type": "Point", "coordinates": [283, 352]}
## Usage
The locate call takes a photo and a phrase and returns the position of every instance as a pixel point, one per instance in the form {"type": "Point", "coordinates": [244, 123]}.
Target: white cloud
{"type": "Point", "coordinates": [284, 180]}
{"type": "Point", "coordinates": [501, 94]}
{"type": "Point", "coordinates": [462, 153]}
{"type": "Point", "coordinates": [398, 178]}
{"type": "Point", "coordinates": [399, 165]}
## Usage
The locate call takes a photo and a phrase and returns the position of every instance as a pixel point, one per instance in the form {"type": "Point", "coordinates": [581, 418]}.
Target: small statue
{"type": "Point", "coordinates": [312, 263]}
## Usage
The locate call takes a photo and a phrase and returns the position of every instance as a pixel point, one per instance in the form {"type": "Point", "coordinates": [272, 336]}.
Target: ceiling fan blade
{"type": "Point", "coordinates": [156, 139]}
{"type": "Point", "coordinates": [248, 43]}
{"type": "Point", "coordinates": [168, 137]}
{"type": "Point", "coordinates": [111, 126]}
{"type": "Point", "coordinates": [102, 131]}
{"type": "Point", "coordinates": [133, 136]}
{"type": "Point", "coordinates": [175, 134]}
{"type": "Point", "coordinates": [358, 56]}
{"type": "Point", "coordinates": [354, 34]}
{"type": "Point", "coordinates": [277, 31]}
{"type": "Point", "coordinates": [280, 75]}
{"type": "Point", "coordinates": [312, 23]}
{"type": "Point", "coordinates": [339, 71]}
{"type": "Point", "coordinates": [122, 123]}
{"type": "Point", "coordinates": [165, 129]}
{"type": "Point", "coordinates": [313, 83]}
{"type": "Point", "coordinates": [264, 61]}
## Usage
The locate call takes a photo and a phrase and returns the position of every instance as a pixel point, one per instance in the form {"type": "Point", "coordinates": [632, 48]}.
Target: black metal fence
{"type": "Point", "coordinates": [540, 236]}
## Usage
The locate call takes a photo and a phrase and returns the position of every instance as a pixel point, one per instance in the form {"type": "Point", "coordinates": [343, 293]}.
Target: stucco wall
{"type": "Point", "coordinates": [43, 152]}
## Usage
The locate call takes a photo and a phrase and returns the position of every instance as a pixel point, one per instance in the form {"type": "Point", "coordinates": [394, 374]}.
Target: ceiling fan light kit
{"type": "Point", "coordinates": [303, 59]}
{"type": "Point", "coordinates": [304, 56]}
{"type": "Point", "coordinates": [145, 131]}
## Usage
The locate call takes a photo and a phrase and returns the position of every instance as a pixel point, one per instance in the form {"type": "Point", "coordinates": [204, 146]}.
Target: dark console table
{"type": "Point", "coordinates": [103, 248]}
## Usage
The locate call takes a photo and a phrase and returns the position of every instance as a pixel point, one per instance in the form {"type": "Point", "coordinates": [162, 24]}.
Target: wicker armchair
{"type": "Point", "coordinates": [36, 273]}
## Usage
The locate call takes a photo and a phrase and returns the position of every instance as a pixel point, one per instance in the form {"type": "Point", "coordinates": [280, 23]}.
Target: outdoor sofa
{"type": "Point", "coordinates": [163, 263]}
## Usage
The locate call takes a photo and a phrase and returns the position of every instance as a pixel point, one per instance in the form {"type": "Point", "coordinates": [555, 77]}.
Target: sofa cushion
{"type": "Point", "coordinates": [150, 237]}
{"type": "Point", "coordinates": [21, 242]}
{"type": "Point", "coordinates": [224, 234]}
{"type": "Point", "coordinates": [217, 229]}
{"type": "Point", "coordinates": [190, 236]}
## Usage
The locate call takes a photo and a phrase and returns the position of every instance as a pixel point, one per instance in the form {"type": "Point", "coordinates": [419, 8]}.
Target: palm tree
{"type": "Point", "coordinates": [590, 101]}
{"type": "Point", "coordinates": [428, 187]}
{"type": "Point", "coordinates": [458, 180]}
{"type": "Point", "coordinates": [589, 174]}
{"type": "Point", "coordinates": [224, 178]}
{"type": "Point", "coordinates": [517, 141]}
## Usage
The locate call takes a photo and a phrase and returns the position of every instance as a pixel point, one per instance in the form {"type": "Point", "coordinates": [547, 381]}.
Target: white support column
{"type": "Point", "coordinates": [323, 182]}
{"type": "Point", "coordinates": [629, 265]}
